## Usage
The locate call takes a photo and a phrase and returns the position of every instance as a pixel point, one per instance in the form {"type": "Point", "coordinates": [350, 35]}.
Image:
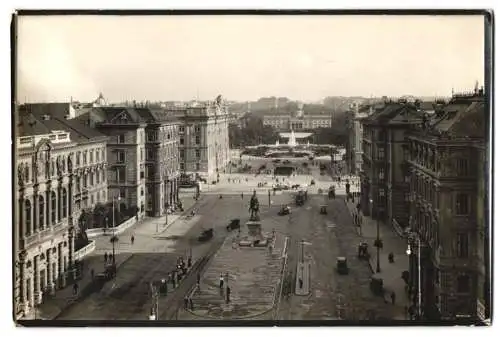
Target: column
{"type": "Point", "coordinates": [34, 207]}
{"type": "Point", "coordinates": [48, 202]}
{"type": "Point", "coordinates": [30, 288]}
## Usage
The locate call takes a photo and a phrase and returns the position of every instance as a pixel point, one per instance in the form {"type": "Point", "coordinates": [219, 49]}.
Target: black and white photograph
{"type": "Point", "coordinates": [251, 168]}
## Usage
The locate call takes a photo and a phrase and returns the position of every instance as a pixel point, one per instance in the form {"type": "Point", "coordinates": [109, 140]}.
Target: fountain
{"type": "Point", "coordinates": [292, 141]}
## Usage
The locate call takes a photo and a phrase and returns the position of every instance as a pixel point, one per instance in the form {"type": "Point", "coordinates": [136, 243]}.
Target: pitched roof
{"type": "Point", "coordinates": [33, 122]}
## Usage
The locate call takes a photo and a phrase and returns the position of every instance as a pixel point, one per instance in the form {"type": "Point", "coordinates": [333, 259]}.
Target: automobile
{"type": "Point", "coordinates": [342, 268]}
{"type": "Point", "coordinates": [295, 186]}
{"type": "Point", "coordinates": [233, 224]}
{"type": "Point", "coordinates": [313, 182]}
{"type": "Point", "coordinates": [206, 235]}
{"type": "Point", "coordinates": [285, 210]}
{"type": "Point", "coordinates": [322, 210]}
{"type": "Point", "coordinates": [286, 161]}
{"type": "Point", "coordinates": [286, 187]}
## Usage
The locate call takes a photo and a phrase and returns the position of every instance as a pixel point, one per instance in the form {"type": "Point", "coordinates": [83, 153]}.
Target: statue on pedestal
{"type": "Point", "coordinates": [254, 207]}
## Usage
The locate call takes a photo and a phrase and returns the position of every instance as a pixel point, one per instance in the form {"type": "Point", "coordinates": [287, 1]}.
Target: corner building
{"type": "Point", "coordinates": [46, 215]}
{"type": "Point", "coordinates": [203, 138]}
{"type": "Point", "coordinates": [446, 159]}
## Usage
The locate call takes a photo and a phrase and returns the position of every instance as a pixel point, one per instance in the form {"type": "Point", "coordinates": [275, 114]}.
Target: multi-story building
{"type": "Point", "coordinates": [203, 138]}
{"type": "Point", "coordinates": [143, 155]}
{"type": "Point", "coordinates": [47, 198]}
{"type": "Point", "coordinates": [446, 161]}
{"type": "Point", "coordinates": [384, 181]}
{"type": "Point", "coordinates": [307, 117]}
{"type": "Point", "coordinates": [125, 153]}
{"type": "Point", "coordinates": [162, 160]}
{"type": "Point", "coordinates": [354, 146]}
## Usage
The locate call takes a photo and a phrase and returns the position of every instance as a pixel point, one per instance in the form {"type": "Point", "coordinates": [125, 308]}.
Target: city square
{"type": "Point", "coordinates": [333, 199]}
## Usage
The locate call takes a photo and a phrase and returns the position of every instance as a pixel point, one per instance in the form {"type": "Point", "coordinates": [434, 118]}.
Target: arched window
{"type": "Point", "coordinates": [53, 207]}
{"type": "Point", "coordinates": [64, 203]}
{"type": "Point", "coordinates": [41, 213]}
{"type": "Point", "coordinates": [27, 217]}
{"type": "Point", "coordinates": [91, 179]}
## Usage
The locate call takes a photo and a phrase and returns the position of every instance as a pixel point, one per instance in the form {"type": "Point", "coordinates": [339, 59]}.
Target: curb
{"type": "Point", "coordinates": [81, 298]}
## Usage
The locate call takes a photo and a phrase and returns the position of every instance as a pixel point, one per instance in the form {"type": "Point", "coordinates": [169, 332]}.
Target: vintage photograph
{"type": "Point", "coordinates": [246, 167]}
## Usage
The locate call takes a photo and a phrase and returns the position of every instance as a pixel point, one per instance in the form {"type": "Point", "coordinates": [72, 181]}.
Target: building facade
{"type": "Point", "coordinates": [304, 121]}
{"type": "Point", "coordinates": [162, 161]}
{"type": "Point", "coordinates": [447, 167]}
{"type": "Point", "coordinates": [354, 146]}
{"type": "Point", "coordinates": [203, 138]}
{"type": "Point", "coordinates": [60, 166]}
{"type": "Point", "coordinates": [384, 180]}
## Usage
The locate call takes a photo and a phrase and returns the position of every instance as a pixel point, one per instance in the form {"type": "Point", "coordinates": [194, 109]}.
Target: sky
{"type": "Point", "coordinates": [246, 57]}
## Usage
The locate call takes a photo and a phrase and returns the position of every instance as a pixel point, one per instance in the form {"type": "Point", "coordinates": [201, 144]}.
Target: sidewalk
{"type": "Point", "coordinates": [390, 272]}
{"type": "Point", "coordinates": [63, 298]}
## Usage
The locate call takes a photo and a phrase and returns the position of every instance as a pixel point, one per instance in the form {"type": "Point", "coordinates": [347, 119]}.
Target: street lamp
{"type": "Point", "coordinates": [413, 237]}
{"type": "Point", "coordinates": [378, 243]}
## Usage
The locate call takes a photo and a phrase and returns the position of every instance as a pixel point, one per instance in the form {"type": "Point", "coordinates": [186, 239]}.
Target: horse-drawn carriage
{"type": "Point", "coordinates": [285, 210]}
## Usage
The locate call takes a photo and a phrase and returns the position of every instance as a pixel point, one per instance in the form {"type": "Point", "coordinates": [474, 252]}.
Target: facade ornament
{"type": "Point", "coordinates": [20, 174]}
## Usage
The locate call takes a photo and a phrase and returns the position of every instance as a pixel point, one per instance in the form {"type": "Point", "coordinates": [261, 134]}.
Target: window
{"type": "Point", "coordinates": [462, 245]}
{"type": "Point", "coordinates": [151, 136]}
{"type": "Point", "coordinates": [121, 138]}
{"type": "Point", "coordinates": [197, 140]}
{"type": "Point", "coordinates": [142, 175]}
{"type": "Point", "coordinates": [197, 129]}
{"type": "Point", "coordinates": [150, 155]}
{"type": "Point", "coordinates": [181, 153]}
{"type": "Point", "coordinates": [78, 158]}
{"type": "Point", "coordinates": [463, 284]}
{"type": "Point", "coordinates": [120, 174]}
{"type": "Point", "coordinates": [85, 158]}
{"type": "Point", "coordinates": [181, 166]}
{"type": "Point", "coordinates": [462, 204]}
{"type": "Point", "coordinates": [381, 153]}
{"type": "Point", "coordinates": [381, 173]}
{"type": "Point", "coordinates": [198, 154]}
{"type": "Point", "coordinates": [27, 217]}
{"type": "Point", "coordinates": [181, 141]}
{"type": "Point", "coordinates": [98, 177]}
{"type": "Point", "coordinates": [97, 155]}
{"type": "Point", "coordinates": [41, 213]}
{"type": "Point", "coordinates": [197, 166]}
{"type": "Point", "coordinates": [91, 176]}
{"type": "Point", "coordinates": [142, 190]}
{"type": "Point", "coordinates": [91, 156]}
{"type": "Point", "coordinates": [120, 156]}
{"type": "Point", "coordinates": [181, 129]}
{"type": "Point", "coordinates": [53, 207]}
{"type": "Point", "coordinates": [462, 167]}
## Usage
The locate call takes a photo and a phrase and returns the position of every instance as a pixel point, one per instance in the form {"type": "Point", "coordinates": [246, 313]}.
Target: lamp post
{"type": "Point", "coordinates": [416, 239]}
{"type": "Point", "coordinates": [378, 243]}
{"type": "Point", "coordinates": [166, 196]}
{"type": "Point", "coordinates": [114, 238]}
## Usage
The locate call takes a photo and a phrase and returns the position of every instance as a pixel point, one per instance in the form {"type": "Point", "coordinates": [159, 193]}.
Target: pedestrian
{"type": "Point", "coordinates": [393, 297]}
{"type": "Point", "coordinates": [241, 196]}
{"type": "Point", "coordinates": [301, 283]}
{"type": "Point", "coordinates": [221, 281]}
{"type": "Point", "coordinates": [105, 257]}
{"type": "Point", "coordinates": [190, 261]}
{"type": "Point", "coordinates": [391, 257]}
{"type": "Point", "coordinates": [75, 288]}
{"type": "Point", "coordinates": [132, 239]}
{"type": "Point", "coordinates": [191, 303]}
{"type": "Point", "coordinates": [186, 302]}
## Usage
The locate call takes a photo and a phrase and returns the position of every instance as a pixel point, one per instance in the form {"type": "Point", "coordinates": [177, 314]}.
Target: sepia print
{"type": "Point", "coordinates": [244, 168]}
